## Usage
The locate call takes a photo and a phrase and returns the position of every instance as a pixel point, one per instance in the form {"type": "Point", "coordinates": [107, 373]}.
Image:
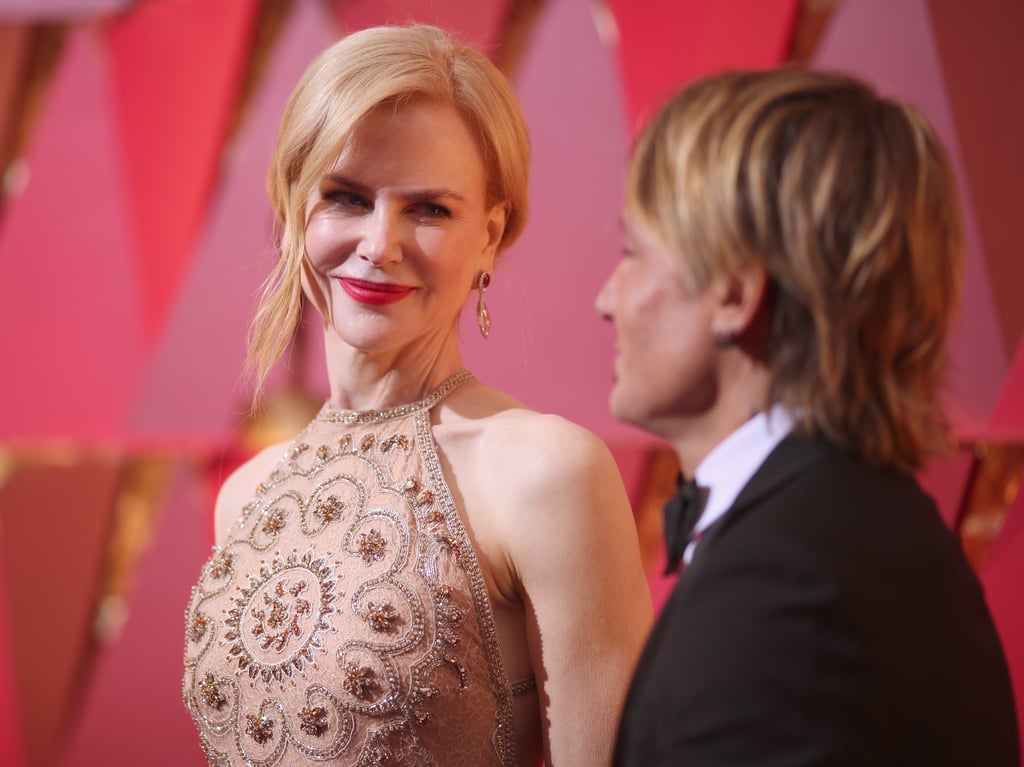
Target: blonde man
{"type": "Point", "coordinates": [793, 263]}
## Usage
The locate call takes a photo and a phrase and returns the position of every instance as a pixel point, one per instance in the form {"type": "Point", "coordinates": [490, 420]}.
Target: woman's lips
{"type": "Point", "coordinates": [377, 293]}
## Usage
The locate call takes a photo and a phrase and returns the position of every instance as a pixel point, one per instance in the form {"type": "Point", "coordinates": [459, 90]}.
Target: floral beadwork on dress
{"type": "Point", "coordinates": [345, 620]}
{"type": "Point", "coordinates": [290, 599]}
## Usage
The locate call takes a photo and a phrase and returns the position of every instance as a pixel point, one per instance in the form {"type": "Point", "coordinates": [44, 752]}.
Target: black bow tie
{"type": "Point", "coordinates": [681, 514]}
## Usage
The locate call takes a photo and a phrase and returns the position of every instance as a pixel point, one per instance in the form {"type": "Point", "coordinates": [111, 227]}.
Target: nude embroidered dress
{"type": "Point", "coordinates": [345, 620]}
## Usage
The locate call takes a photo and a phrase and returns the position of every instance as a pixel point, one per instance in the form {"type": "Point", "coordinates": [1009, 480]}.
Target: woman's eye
{"type": "Point", "coordinates": [347, 199]}
{"type": "Point", "coordinates": [431, 210]}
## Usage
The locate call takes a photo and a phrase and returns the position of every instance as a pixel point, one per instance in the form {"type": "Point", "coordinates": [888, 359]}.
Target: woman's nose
{"type": "Point", "coordinates": [380, 241]}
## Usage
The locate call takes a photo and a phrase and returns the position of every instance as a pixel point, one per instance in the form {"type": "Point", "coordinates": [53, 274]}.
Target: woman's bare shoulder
{"type": "Point", "coordinates": [240, 487]}
{"type": "Point", "coordinates": [555, 444]}
{"type": "Point", "coordinates": [504, 430]}
{"type": "Point", "coordinates": [526, 456]}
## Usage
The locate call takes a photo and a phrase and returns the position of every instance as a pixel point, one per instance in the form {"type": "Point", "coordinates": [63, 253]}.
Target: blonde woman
{"type": "Point", "coordinates": [431, 573]}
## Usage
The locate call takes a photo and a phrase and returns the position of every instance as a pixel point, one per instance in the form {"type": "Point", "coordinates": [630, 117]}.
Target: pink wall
{"type": "Point", "coordinates": [130, 711]}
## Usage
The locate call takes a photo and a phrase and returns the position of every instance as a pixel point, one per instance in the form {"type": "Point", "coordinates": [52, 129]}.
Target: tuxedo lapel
{"type": "Point", "coordinates": [788, 460]}
{"type": "Point", "coordinates": [793, 456]}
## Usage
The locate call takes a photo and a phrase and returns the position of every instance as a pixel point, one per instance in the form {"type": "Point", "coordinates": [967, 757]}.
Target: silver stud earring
{"type": "Point", "coordinates": [483, 316]}
{"type": "Point", "coordinates": [723, 337]}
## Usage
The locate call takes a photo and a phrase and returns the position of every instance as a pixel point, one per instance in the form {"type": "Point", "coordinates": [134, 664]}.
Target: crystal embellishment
{"type": "Point", "coordinates": [259, 728]}
{"type": "Point", "coordinates": [313, 720]}
{"type": "Point", "coordinates": [360, 681]}
{"type": "Point", "coordinates": [371, 546]}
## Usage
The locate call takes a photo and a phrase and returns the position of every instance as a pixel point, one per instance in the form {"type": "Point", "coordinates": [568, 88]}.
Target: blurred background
{"type": "Point", "coordinates": [135, 233]}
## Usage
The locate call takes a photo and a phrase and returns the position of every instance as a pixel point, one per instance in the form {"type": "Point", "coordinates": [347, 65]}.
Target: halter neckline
{"type": "Point", "coordinates": [363, 417]}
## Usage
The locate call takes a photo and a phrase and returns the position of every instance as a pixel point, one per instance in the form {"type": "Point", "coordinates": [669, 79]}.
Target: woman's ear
{"type": "Point", "coordinates": [496, 219]}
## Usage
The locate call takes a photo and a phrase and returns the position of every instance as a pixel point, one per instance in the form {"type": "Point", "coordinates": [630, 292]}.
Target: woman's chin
{"type": "Point", "coordinates": [368, 337]}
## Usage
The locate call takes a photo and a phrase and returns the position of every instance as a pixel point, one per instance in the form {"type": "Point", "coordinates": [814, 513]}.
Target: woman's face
{"type": "Point", "coordinates": [665, 362]}
{"type": "Point", "coordinates": [398, 228]}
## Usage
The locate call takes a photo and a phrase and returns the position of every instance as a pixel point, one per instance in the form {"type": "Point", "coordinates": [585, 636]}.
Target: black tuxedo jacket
{"type": "Point", "coordinates": [828, 618]}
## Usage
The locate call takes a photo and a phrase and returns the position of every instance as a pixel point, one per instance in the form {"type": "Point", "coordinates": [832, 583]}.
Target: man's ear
{"type": "Point", "coordinates": [739, 302]}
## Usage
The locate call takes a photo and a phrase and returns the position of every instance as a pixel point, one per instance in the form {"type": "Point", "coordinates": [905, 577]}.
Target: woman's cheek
{"type": "Point", "coordinates": [316, 288]}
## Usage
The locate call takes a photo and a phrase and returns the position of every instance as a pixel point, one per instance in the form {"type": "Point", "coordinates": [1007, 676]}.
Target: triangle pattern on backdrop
{"type": "Point", "coordinates": [978, 45]}
{"type": "Point", "coordinates": [131, 711]}
{"type": "Point", "coordinates": [664, 44]}
{"type": "Point", "coordinates": [476, 22]}
{"type": "Point", "coordinates": [176, 69]}
{"type": "Point", "coordinates": [72, 317]}
{"type": "Point", "coordinates": [188, 397]}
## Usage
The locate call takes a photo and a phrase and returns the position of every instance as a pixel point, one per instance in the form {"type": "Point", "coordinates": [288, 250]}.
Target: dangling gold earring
{"type": "Point", "coordinates": [483, 317]}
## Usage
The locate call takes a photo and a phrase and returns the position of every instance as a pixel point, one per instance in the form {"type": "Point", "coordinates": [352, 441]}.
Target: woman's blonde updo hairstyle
{"type": "Point", "coordinates": [380, 65]}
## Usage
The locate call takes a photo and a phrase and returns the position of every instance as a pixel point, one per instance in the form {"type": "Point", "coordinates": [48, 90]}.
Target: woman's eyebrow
{"type": "Point", "coordinates": [425, 195]}
{"type": "Point", "coordinates": [413, 195]}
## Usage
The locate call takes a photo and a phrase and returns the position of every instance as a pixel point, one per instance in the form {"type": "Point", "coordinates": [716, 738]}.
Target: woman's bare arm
{"type": "Point", "coordinates": [240, 488]}
{"type": "Point", "coordinates": [572, 542]}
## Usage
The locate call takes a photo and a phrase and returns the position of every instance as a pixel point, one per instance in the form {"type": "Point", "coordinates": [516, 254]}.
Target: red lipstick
{"type": "Point", "coordinates": [376, 293]}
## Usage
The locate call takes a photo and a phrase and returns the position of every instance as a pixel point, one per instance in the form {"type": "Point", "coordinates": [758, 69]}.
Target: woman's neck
{"type": "Point", "coordinates": [363, 380]}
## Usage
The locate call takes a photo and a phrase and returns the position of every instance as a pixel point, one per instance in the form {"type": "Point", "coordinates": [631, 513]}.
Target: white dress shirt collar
{"type": "Point", "coordinates": [733, 461]}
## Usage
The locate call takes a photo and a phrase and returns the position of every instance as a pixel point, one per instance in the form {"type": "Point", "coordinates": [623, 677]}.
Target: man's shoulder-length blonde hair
{"type": "Point", "coordinates": [848, 201]}
{"type": "Point", "coordinates": [366, 69]}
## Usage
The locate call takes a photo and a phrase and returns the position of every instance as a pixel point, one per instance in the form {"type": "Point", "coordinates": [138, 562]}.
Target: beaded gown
{"type": "Point", "coordinates": [345, 620]}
